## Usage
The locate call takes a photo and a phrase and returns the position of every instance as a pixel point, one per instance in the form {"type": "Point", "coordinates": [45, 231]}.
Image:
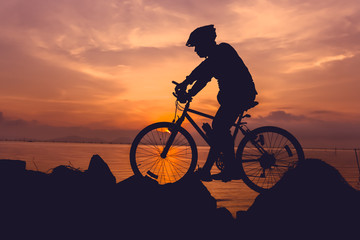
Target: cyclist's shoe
{"type": "Point", "coordinates": [226, 176]}
{"type": "Point", "coordinates": [204, 175]}
{"type": "Point", "coordinates": [223, 176]}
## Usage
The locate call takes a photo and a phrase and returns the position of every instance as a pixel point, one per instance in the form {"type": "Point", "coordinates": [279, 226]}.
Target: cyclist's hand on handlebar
{"type": "Point", "coordinates": [180, 92]}
{"type": "Point", "coordinates": [181, 87]}
{"type": "Point", "coordinates": [183, 97]}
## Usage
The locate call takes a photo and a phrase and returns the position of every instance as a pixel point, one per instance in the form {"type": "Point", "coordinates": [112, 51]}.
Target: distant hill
{"type": "Point", "coordinates": [77, 139]}
{"type": "Point", "coordinates": [33, 131]}
{"type": "Point", "coordinates": [122, 140]}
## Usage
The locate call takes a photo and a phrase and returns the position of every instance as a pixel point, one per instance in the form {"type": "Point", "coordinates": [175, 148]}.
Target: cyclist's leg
{"type": "Point", "coordinates": [223, 121]}
{"type": "Point", "coordinates": [221, 136]}
{"type": "Point", "coordinates": [213, 154]}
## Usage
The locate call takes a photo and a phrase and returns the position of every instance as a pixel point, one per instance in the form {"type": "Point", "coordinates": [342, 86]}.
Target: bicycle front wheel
{"type": "Point", "coordinates": [266, 153]}
{"type": "Point", "coordinates": [146, 149]}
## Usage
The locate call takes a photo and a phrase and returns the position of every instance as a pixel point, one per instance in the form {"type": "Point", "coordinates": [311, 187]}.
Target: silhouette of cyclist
{"type": "Point", "coordinates": [236, 92]}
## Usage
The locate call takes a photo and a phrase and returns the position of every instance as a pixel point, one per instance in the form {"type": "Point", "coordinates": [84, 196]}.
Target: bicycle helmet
{"type": "Point", "coordinates": [201, 34]}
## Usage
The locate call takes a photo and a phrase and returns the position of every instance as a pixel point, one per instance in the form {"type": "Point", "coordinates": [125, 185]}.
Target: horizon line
{"type": "Point", "coordinates": [129, 143]}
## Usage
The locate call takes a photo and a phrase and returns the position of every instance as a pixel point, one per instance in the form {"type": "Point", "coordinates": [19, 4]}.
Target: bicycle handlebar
{"type": "Point", "coordinates": [181, 96]}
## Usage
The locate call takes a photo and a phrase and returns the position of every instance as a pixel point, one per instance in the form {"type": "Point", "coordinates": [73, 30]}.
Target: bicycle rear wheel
{"type": "Point", "coordinates": [148, 145]}
{"type": "Point", "coordinates": [262, 170]}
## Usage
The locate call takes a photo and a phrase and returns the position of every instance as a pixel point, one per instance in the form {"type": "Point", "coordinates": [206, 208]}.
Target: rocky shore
{"type": "Point", "coordinates": [311, 201]}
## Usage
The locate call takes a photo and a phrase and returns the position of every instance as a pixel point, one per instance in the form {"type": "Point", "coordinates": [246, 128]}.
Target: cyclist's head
{"type": "Point", "coordinates": [202, 38]}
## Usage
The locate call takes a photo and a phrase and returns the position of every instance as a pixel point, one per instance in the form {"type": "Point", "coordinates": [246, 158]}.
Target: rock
{"type": "Point", "coordinates": [311, 201]}
{"type": "Point", "coordinates": [67, 177]}
{"type": "Point", "coordinates": [11, 168]}
{"type": "Point", "coordinates": [185, 208]}
{"type": "Point", "coordinates": [79, 204]}
{"type": "Point", "coordinates": [99, 172]}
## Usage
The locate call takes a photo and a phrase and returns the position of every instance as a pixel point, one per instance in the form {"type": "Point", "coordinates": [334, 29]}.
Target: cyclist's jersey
{"type": "Point", "coordinates": [234, 79]}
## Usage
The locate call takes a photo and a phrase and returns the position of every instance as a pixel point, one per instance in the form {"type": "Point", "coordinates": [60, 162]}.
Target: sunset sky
{"type": "Point", "coordinates": [100, 67]}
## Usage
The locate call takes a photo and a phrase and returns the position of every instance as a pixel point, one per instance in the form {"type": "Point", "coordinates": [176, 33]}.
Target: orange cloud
{"type": "Point", "coordinates": [110, 64]}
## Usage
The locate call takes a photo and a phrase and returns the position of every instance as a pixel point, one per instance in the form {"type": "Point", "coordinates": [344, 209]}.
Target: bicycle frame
{"type": "Point", "coordinates": [238, 126]}
{"type": "Point", "coordinates": [263, 154]}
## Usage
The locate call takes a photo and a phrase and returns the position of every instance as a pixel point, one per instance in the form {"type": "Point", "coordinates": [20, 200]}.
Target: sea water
{"type": "Point", "coordinates": [234, 195]}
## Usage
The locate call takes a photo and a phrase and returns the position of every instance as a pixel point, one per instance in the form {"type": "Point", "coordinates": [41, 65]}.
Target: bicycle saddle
{"type": "Point", "coordinates": [250, 105]}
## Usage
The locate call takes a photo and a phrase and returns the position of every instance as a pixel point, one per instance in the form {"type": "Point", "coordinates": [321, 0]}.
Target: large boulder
{"type": "Point", "coordinates": [311, 201]}
{"type": "Point", "coordinates": [181, 208]}
{"type": "Point", "coordinates": [184, 209]}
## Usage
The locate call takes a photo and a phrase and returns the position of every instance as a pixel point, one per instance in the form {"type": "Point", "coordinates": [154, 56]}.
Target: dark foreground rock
{"type": "Point", "coordinates": [73, 204]}
{"type": "Point", "coordinates": [311, 201]}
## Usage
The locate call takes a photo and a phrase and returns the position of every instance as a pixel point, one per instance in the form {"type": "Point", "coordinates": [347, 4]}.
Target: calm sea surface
{"type": "Point", "coordinates": [234, 195]}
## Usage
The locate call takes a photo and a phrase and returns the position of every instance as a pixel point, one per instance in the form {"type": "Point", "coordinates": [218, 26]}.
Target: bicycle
{"type": "Point", "coordinates": [167, 153]}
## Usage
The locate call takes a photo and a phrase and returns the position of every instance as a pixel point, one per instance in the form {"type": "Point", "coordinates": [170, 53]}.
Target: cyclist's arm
{"type": "Point", "coordinates": [198, 85]}
{"type": "Point", "coordinates": [201, 75]}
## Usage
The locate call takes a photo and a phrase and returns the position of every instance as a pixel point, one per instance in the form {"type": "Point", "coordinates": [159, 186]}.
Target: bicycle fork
{"type": "Point", "coordinates": [174, 130]}
{"type": "Point", "coordinates": [169, 142]}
